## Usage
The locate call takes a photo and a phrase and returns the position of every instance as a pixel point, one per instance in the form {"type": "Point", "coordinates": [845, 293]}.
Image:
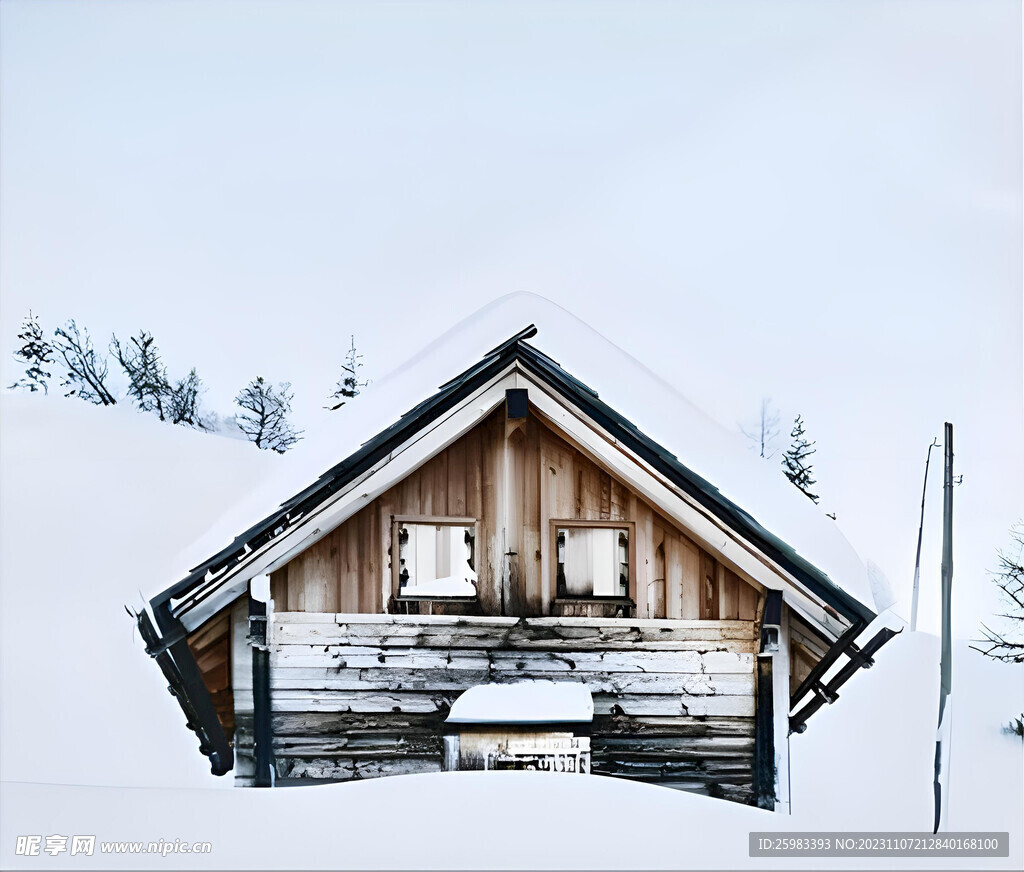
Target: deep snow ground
{"type": "Point", "coordinates": [96, 504]}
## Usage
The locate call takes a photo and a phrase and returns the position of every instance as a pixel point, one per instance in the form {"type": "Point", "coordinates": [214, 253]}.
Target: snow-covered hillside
{"type": "Point", "coordinates": [97, 504]}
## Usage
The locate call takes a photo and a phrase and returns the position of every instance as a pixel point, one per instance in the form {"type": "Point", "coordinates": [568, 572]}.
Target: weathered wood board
{"type": "Point", "coordinates": [356, 696]}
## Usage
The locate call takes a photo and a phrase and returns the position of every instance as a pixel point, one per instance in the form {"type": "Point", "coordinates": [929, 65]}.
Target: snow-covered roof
{"type": "Point", "coordinates": [753, 493]}
{"type": "Point", "coordinates": [524, 702]}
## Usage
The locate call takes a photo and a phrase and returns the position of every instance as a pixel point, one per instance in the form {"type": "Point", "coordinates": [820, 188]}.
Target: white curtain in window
{"type": "Point", "coordinates": [421, 553]}
{"type": "Point", "coordinates": [436, 551]}
{"type": "Point", "coordinates": [591, 561]}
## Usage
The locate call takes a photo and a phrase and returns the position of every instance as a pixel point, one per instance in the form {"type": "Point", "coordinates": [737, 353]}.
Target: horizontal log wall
{"type": "Point", "coordinates": [356, 696]}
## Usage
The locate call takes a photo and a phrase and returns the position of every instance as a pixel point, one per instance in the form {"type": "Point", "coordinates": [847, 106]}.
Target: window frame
{"type": "Point", "coordinates": [629, 526]}
{"type": "Point", "coordinates": [435, 521]}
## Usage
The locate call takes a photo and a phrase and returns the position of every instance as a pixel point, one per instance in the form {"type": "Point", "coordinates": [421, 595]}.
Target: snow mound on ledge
{"type": "Point", "coordinates": [451, 585]}
{"type": "Point", "coordinates": [524, 702]}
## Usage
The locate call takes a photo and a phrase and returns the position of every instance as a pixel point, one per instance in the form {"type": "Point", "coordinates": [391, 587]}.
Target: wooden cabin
{"type": "Point", "coordinates": [510, 528]}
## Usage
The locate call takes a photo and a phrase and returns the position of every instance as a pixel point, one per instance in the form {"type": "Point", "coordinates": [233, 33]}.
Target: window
{"type": "Point", "coordinates": [436, 557]}
{"type": "Point", "coordinates": [593, 560]}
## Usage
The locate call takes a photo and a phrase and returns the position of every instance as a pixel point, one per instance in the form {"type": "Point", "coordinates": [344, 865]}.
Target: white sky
{"type": "Point", "coordinates": [817, 202]}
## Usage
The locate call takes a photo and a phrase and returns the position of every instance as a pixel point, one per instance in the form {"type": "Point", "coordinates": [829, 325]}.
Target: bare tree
{"type": "Point", "coordinates": [147, 377]}
{"type": "Point", "coordinates": [264, 417]}
{"type": "Point", "coordinates": [36, 352]}
{"type": "Point", "coordinates": [183, 402]}
{"type": "Point", "coordinates": [348, 384]}
{"type": "Point", "coordinates": [1008, 646]}
{"type": "Point", "coordinates": [795, 463]}
{"type": "Point", "coordinates": [765, 431]}
{"type": "Point", "coordinates": [86, 372]}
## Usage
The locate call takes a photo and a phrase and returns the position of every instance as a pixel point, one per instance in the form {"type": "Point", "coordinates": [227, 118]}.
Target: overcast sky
{"type": "Point", "coordinates": [816, 202]}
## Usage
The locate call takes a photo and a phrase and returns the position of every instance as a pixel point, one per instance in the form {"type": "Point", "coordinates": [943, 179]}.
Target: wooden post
{"type": "Point", "coordinates": [262, 730]}
{"type": "Point", "coordinates": [781, 670]}
{"type": "Point", "coordinates": [241, 683]}
{"type": "Point", "coordinates": [764, 735]}
{"type": "Point", "coordinates": [511, 505]}
{"type": "Point", "coordinates": [766, 760]}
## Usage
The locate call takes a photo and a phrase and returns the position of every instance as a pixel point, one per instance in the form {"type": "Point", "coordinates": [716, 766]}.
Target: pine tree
{"type": "Point", "coordinates": [147, 376]}
{"type": "Point", "coordinates": [183, 402]}
{"type": "Point", "coordinates": [264, 417]}
{"type": "Point", "coordinates": [795, 461]}
{"type": "Point", "coordinates": [36, 352]}
{"type": "Point", "coordinates": [1016, 726]}
{"type": "Point", "coordinates": [85, 372]}
{"type": "Point", "coordinates": [348, 384]}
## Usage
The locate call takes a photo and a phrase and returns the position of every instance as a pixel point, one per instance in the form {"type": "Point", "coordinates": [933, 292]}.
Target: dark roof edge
{"type": "Point", "coordinates": [857, 658]}
{"type": "Point", "coordinates": [185, 683]}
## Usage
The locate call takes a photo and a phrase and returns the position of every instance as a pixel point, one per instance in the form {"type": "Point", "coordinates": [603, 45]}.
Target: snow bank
{"type": "Point", "coordinates": [451, 820]}
{"type": "Point", "coordinates": [524, 702]}
{"type": "Point", "coordinates": [867, 761]}
{"type": "Point", "coordinates": [95, 504]}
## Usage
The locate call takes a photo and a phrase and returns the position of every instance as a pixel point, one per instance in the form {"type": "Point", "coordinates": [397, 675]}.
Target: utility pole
{"type": "Point", "coordinates": [942, 738]}
{"type": "Point", "coordinates": [920, 531]}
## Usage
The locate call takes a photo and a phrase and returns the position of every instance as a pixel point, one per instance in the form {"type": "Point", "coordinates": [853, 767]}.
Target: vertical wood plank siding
{"type": "Point", "coordinates": [513, 480]}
